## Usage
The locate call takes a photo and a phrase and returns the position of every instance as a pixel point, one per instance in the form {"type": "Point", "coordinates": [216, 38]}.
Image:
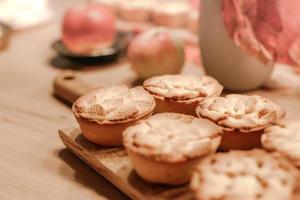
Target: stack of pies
{"type": "Point", "coordinates": [261, 151]}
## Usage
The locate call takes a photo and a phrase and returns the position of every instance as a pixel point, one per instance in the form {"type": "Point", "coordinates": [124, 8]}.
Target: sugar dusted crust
{"type": "Point", "coordinates": [172, 138]}
{"type": "Point", "coordinates": [137, 4]}
{"type": "Point", "coordinates": [241, 112]}
{"type": "Point", "coordinates": [284, 139]}
{"type": "Point", "coordinates": [172, 8]}
{"type": "Point", "coordinates": [116, 104]}
{"type": "Point", "coordinates": [186, 88]}
{"type": "Point", "coordinates": [247, 175]}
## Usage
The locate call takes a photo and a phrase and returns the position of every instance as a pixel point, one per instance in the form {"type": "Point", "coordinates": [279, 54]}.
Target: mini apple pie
{"type": "Point", "coordinates": [105, 113]}
{"type": "Point", "coordinates": [136, 10]}
{"type": "Point", "coordinates": [246, 175]}
{"type": "Point", "coordinates": [170, 14]}
{"type": "Point", "coordinates": [243, 118]}
{"type": "Point", "coordinates": [165, 147]}
{"type": "Point", "coordinates": [181, 93]}
{"type": "Point", "coordinates": [284, 139]}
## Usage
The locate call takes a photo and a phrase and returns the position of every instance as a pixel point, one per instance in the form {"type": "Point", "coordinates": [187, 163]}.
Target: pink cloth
{"type": "Point", "coordinates": [269, 29]}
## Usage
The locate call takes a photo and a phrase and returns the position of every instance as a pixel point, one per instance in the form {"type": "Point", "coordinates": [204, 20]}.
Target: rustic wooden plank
{"type": "Point", "coordinates": [114, 165]}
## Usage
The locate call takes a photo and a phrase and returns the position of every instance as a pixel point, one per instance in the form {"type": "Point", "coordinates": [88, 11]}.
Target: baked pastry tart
{"type": "Point", "coordinates": [165, 148]}
{"type": "Point", "coordinates": [246, 175]}
{"type": "Point", "coordinates": [171, 14]}
{"type": "Point", "coordinates": [285, 139]}
{"type": "Point", "coordinates": [181, 93]}
{"type": "Point", "coordinates": [243, 118]}
{"type": "Point", "coordinates": [136, 10]}
{"type": "Point", "coordinates": [105, 113]}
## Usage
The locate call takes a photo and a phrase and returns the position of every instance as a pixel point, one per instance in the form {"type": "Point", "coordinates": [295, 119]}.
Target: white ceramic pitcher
{"type": "Point", "coordinates": [222, 59]}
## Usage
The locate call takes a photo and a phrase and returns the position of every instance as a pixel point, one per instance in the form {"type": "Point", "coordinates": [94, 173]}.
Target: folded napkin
{"type": "Point", "coordinates": [269, 29]}
{"type": "Point", "coordinates": [20, 14]}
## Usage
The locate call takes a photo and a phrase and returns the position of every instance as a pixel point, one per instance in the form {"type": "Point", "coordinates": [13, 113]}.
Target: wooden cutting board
{"type": "Point", "coordinates": [114, 164]}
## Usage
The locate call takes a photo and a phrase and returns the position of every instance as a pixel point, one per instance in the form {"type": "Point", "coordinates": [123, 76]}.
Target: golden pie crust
{"type": "Point", "coordinates": [241, 112]}
{"type": "Point", "coordinates": [105, 113]}
{"type": "Point", "coordinates": [172, 137]}
{"type": "Point", "coordinates": [170, 14]}
{"type": "Point", "coordinates": [135, 10]}
{"type": "Point", "coordinates": [114, 104]}
{"type": "Point", "coordinates": [165, 147]}
{"type": "Point", "coordinates": [243, 118]}
{"type": "Point", "coordinates": [247, 175]}
{"type": "Point", "coordinates": [181, 93]}
{"type": "Point", "coordinates": [285, 139]}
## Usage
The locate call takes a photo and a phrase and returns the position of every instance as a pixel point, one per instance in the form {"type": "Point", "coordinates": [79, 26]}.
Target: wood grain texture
{"type": "Point", "coordinates": [114, 165]}
{"type": "Point", "coordinates": [69, 87]}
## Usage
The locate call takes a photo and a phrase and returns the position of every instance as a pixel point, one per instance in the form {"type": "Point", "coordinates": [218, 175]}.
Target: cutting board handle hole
{"type": "Point", "coordinates": [69, 77]}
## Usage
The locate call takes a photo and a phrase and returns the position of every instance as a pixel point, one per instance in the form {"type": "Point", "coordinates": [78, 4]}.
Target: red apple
{"type": "Point", "coordinates": [87, 28]}
{"type": "Point", "coordinates": [156, 52]}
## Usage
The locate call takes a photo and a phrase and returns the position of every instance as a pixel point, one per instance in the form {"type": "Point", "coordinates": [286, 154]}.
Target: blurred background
{"type": "Point", "coordinates": [52, 52]}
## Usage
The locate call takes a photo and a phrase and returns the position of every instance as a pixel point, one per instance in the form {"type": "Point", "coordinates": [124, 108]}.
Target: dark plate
{"type": "Point", "coordinates": [4, 36]}
{"type": "Point", "coordinates": [106, 54]}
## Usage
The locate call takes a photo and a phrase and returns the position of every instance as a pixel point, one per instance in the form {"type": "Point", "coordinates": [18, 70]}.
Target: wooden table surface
{"type": "Point", "coordinates": [34, 163]}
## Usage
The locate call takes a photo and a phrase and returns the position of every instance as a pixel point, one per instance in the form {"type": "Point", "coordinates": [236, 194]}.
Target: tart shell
{"type": "Point", "coordinates": [163, 153]}
{"type": "Point", "coordinates": [243, 141]}
{"type": "Point", "coordinates": [165, 105]}
{"type": "Point", "coordinates": [106, 134]}
{"type": "Point", "coordinates": [105, 113]}
{"type": "Point", "coordinates": [242, 117]}
{"type": "Point", "coordinates": [165, 173]}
